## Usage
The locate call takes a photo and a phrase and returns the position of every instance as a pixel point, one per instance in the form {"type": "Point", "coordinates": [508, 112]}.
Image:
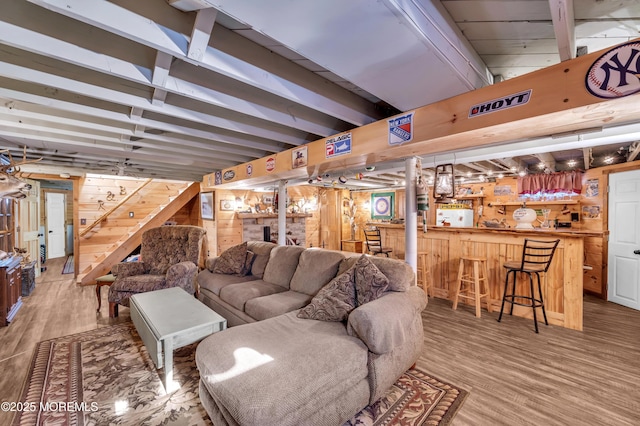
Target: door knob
{"type": "Point", "coordinates": [636, 252]}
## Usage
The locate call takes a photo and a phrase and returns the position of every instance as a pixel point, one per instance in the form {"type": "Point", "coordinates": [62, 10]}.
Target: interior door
{"type": "Point", "coordinates": [29, 222]}
{"type": "Point", "coordinates": [624, 238]}
{"type": "Point", "coordinates": [55, 224]}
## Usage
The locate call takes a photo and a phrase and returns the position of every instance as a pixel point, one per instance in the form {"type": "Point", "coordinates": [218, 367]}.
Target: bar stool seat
{"type": "Point", "coordinates": [424, 273]}
{"type": "Point", "coordinates": [470, 283]}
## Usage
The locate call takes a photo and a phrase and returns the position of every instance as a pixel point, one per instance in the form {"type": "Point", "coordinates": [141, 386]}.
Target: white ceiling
{"type": "Point", "coordinates": [177, 89]}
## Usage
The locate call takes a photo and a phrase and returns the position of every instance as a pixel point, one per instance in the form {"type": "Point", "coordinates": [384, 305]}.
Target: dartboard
{"type": "Point", "coordinates": [381, 206]}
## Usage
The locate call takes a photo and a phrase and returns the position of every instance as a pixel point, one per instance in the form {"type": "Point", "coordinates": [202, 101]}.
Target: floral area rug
{"type": "Point", "coordinates": [105, 376]}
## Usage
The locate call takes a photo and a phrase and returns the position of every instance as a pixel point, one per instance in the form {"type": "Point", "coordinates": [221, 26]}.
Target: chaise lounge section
{"type": "Point", "coordinates": [274, 366]}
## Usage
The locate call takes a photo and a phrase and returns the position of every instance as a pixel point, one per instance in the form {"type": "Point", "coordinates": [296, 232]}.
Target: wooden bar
{"type": "Point", "coordinates": [562, 285]}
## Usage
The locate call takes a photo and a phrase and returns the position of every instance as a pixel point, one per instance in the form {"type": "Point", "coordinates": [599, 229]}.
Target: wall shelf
{"type": "Point", "coordinates": [259, 217]}
{"type": "Point", "coordinates": [534, 203]}
{"type": "Point", "coordinates": [470, 197]}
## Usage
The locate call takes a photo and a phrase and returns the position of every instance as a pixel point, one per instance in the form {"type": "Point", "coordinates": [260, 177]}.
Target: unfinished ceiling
{"type": "Point", "coordinates": [177, 89]}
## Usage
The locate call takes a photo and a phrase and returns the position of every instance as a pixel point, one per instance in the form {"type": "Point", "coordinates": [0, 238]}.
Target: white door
{"type": "Point", "coordinates": [29, 222]}
{"type": "Point", "coordinates": [624, 238]}
{"type": "Point", "coordinates": [55, 225]}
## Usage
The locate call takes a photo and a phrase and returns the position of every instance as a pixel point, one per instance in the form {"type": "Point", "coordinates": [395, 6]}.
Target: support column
{"type": "Point", "coordinates": [282, 213]}
{"type": "Point", "coordinates": [411, 214]}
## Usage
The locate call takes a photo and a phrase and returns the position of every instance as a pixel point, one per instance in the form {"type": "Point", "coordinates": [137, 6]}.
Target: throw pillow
{"type": "Point", "coordinates": [232, 260]}
{"type": "Point", "coordinates": [370, 281]}
{"type": "Point", "coordinates": [334, 301]}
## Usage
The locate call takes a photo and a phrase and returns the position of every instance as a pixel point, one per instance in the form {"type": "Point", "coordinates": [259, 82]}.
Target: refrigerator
{"type": "Point", "coordinates": [459, 218]}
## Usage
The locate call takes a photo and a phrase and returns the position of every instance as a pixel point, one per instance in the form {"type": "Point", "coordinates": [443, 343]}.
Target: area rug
{"type": "Point", "coordinates": [105, 376]}
{"type": "Point", "coordinates": [68, 265]}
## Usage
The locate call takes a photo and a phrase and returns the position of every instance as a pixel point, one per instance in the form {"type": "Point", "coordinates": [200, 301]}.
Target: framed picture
{"type": "Point", "coordinates": [227, 205]}
{"type": "Point", "coordinates": [382, 205]}
{"type": "Point", "coordinates": [206, 205]}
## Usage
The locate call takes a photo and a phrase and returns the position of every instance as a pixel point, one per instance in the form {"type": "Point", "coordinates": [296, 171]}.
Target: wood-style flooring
{"type": "Point", "coordinates": [514, 376]}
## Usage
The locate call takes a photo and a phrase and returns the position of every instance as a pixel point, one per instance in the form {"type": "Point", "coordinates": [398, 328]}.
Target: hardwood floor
{"type": "Point", "coordinates": [514, 376]}
{"type": "Point", "coordinates": [557, 377]}
{"type": "Point", "coordinates": [57, 307]}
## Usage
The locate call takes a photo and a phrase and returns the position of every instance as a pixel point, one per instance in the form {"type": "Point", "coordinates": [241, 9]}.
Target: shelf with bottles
{"type": "Point", "coordinates": [533, 203]}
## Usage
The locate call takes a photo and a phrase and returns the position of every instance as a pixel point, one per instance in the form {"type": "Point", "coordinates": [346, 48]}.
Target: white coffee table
{"type": "Point", "coordinates": [169, 319]}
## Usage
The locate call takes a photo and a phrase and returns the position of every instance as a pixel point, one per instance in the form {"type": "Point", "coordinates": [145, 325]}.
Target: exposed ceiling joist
{"type": "Point", "coordinates": [564, 27]}
{"type": "Point", "coordinates": [634, 151]}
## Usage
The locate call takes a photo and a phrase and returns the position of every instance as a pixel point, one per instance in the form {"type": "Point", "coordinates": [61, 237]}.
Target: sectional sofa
{"type": "Point", "coordinates": [272, 367]}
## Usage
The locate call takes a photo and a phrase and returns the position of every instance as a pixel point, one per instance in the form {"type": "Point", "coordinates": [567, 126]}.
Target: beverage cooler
{"type": "Point", "coordinates": [459, 218]}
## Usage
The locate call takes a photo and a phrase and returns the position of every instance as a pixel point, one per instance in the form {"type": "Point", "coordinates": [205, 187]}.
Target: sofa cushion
{"type": "Point", "coordinates": [283, 261]}
{"type": "Point", "coordinates": [316, 268]}
{"type": "Point", "coordinates": [215, 282]}
{"type": "Point", "coordinates": [237, 295]}
{"type": "Point", "coordinates": [262, 250]}
{"type": "Point", "coordinates": [400, 274]}
{"type": "Point", "coordinates": [232, 260]}
{"type": "Point", "coordinates": [292, 365]}
{"type": "Point", "coordinates": [334, 301]}
{"type": "Point", "coordinates": [370, 282]}
{"type": "Point", "coordinates": [273, 305]}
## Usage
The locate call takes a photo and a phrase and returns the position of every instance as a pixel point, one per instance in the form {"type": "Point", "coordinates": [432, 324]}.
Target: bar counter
{"type": "Point", "coordinates": [562, 285]}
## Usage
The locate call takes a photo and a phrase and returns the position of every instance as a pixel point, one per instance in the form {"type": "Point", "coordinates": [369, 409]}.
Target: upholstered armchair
{"type": "Point", "coordinates": [169, 258]}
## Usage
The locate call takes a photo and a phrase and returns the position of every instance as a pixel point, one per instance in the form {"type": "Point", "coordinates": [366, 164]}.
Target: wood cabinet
{"type": "Point", "coordinates": [352, 245]}
{"type": "Point", "coordinates": [10, 289]}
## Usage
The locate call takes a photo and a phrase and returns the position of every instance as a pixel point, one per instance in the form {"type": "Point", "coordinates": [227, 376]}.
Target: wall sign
{"type": "Point", "coordinates": [270, 164]}
{"type": "Point", "coordinates": [218, 178]}
{"type": "Point", "coordinates": [228, 175]}
{"type": "Point", "coordinates": [616, 73]}
{"type": "Point", "coordinates": [500, 104]}
{"type": "Point", "coordinates": [249, 170]}
{"type": "Point", "coordinates": [299, 157]}
{"type": "Point", "coordinates": [340, 145]}
{"type": "Point", "coordinates": [401, 129]}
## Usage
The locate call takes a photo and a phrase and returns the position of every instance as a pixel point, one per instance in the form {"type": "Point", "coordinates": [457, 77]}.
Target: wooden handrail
{"type": "Point", "coordinates": [111, 210]}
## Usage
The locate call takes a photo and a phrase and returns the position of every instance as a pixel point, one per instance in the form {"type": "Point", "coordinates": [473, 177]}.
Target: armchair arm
{"type": "Point", "coordinates": [182, 275]}
{"type": "Point", "coordinates": [381, 324]}
{"type": "Point", "coordinates": [127, 269]}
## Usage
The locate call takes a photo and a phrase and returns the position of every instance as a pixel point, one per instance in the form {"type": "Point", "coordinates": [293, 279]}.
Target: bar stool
{"type": "Point", "coordinates": [424, 274]}
{"type": "Point", "coordinates": [469, 284]}
{"type": "Point", "coordinates": [536, 257]}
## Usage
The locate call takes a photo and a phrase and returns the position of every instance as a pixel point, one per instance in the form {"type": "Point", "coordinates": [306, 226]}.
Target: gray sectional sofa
{"type": "Point", "coordinates": [273, 368]}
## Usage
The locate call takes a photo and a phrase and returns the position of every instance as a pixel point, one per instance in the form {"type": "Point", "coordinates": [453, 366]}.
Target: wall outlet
{"type": "Point", "coordinates": [130, 214]}
{"type": "Point", "coordinates": [83, 221]}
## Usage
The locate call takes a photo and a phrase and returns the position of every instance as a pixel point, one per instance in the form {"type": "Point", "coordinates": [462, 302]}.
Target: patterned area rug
{"type": "Point", "coordinates": [106, 376]}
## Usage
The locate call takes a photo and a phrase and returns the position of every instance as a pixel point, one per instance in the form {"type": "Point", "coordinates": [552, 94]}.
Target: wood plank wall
{"type": "Point", "coordinates": [95, 189]}
{"type": "Point", "coordinates": [225, 230]}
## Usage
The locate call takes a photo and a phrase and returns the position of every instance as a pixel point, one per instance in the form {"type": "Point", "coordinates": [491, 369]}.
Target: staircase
{"type": "Point", "coordinates": [114, 238]}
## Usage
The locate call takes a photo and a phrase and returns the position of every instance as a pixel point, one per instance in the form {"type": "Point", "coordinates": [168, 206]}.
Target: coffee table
{"type": "Point", "coordinates": [169, 319]}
